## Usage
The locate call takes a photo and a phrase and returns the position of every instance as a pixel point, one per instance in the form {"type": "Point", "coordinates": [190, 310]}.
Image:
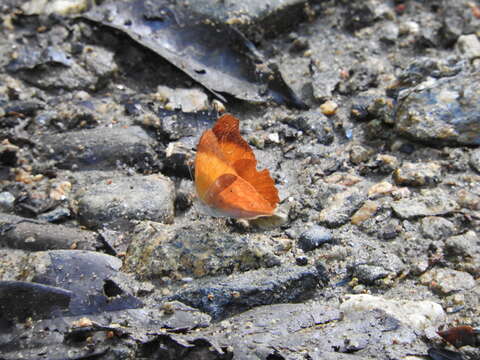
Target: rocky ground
{"type": "Point", "coordinates": [371, 136]}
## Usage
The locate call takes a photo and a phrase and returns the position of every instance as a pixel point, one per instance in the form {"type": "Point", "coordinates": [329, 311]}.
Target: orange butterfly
{"type": "Point", "coordinates": [226, 176]}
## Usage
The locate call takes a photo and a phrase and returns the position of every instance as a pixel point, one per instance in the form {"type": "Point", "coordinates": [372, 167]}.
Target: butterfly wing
{"type": "Point", "coordinates": [210, 163]}
{"type": "Point", "coordinates": [231, 143]}
{"type": "Point", "coordinates": [226, 177]}
{"type": "Point", "coordinates": [241, 157]}
{"type": "Point", "coordinates": [232, 196]}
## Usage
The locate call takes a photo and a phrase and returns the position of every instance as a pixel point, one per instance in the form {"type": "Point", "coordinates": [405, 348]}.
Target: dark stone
{"type": "Point", "coordinates": [30, 57]}
{"type": "Point", "coordinates": [100, 148]}
{"type": "Point", "coordinates": [53, 68]}
{"type": "Point", "coordinates": [314, 237]}
{"type": "Point", "coordinates": [420, 69]}
{"type": "Point", "coordinates": [441, 112]}
{"type": "Point", "coordinates": [359, 15]}
{"type": "Point", "coordinates": [301, 260]}
{"type": "Point", "coordinates": [195, 250]}
{"type": "Point", "coordinates": [93, 279]}
{"type": "Point", "coordinates": [436, 228]}
{"type": "Point", "coordinates": [475, 160]}
{"type": "Point", "coordinates": [407, 148]}
{"type": "Point", "coordinates": [120, 201]}
{"type": "Point", "coordinates": [313, 123]}
{"type": "Point", "coordinates": [443, 354]}
{"type": "Point", "coordinates": [22, 108]}
{"type": "Point", "coordinates": [20, 300]}
{"type": "Point", "coordinates": [368, 274]}
{"type": "Point", "coordinates": [175, 125]}
{"type": "Point", "coordinates": [361, 78]}
{"type": "Point", "coordinates": [222, 297]}
{"type": "Point", "coordinates": [58, 214]}
{"type": "Point", "coordinates": [256, 18]}
{"type": "Point", "coordinates": [278, 331]}
{"type": "Point", "coordinates": [27, 234]}
{"type": "Point", "coordinates": [340, 207]}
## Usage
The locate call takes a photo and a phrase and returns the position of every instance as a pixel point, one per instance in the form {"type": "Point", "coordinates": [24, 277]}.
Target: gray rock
{"type": "Point", "coordinates": [99, 61]}
{"type": "Point", "coordinates": [341, 206]}
{"type": "Point", "coordinates": [468, 199]}
{"type": "Point", "coordinates": [312, 330]}
{"type": "Point", "coordinates": [37, 7]}
{"type": "Point", "coordinates": [418, 174]}
{"type": "Point", "coordinates": [72, 78]}
{"type": "Point", "coordinates": [100, 148]}
{"type": "Point", "coordinates": [32, 235]}
{"type": "Point", "coordinates": [224, 296]}
{"type": "Point", "coordinates": [324, 82]}
{"type": "Point", "coordinates": [359, 15]}
{"type": "Point", "coordinates": [56, 215]}
{"type": "Point", "coordinates": [313, 123]}
{"type": "Point", "coordinates": [250, 16]}
{"type": "Point", "coordinates": [447, 281]}
{"type": "Point", "coordinates": [368, 274]}
{"type": "Point", "coordinates": [475, 160]}
{"type": "Point", "coordinates": [463, 246]}
{"type": "Point", "coordinates": [362, 77]}
{"type": "Point", "coordinates": [314, 237]}
{"type": "Point", "coordinates": [20, 300]}
{"type": "Point", "coordinates": [469, 46]}
{"type": "Point", "coordinates": [187, 100]}
{"type": "Point", "coordinates": [119, 202]}
{"type": "Point", "coordinates": [444, 111]}
{"type": "Point", "coordinates": [373, 265]}
{"type": "Point", "coordinates": [436, 228]}
{"type": "Point", "coordinates": [53, 68]}
{"type": "Point", "coordinates": [389, 32]}
{"type": "Point", "coordinates": [416, 314]}
{"type": "Point", "coordinates": [70, 116]}
{"type": "Point", "coordinates": [6, 201]}
{"type": "Point", "coordinates": [175, 315]}
{"type": "Point", "coordinates": [424, 67]}
{"type": "Point", "coordinates": [138, 325]}
{"type": "Point", "coordinates": [157, 250]}
{"type": "Point", "coordinates": [360, 153]}
{"type": "Point", "coordinates": [93, 279]}
{"type": "Point", "coordinates": [9, 261]}
{"type": "Point", "coordinates": [176, 125]}
{"type": "Point", "coordinates": [26, 108]}
{"type": "Point", "coordinates": [30, 57]}
{"type": "Point", "coordinates": [427, 203]}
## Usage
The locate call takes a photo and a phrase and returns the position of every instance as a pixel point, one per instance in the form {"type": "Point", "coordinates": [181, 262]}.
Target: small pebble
{"type": "Point", "coordinates": [6, 201]}
{"type": "Point", "coordinates": [314, 238]}
{"type": "Point", "coordinates": [368, 209]}
{"type": "Point", "coordinates": [469, 46]}
{"type": "Point", "coordinates": [380, 189]}
{"type": "Point", "coordinates": [418, 174]}
{"type": "Point", "coordinates": [329, 108]}
{"type": "Point", "coordinates": [301, 260]}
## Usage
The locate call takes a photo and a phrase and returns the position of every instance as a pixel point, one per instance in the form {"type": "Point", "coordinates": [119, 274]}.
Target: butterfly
{"type": "Point", "coordinates": [226, 177]}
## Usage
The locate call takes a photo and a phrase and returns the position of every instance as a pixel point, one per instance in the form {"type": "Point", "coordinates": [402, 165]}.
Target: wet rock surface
{"type": "Point", "coordinates": [441, 111]}
{"type": "Point", "coordinates": [155, 251]}
{"type": "Point", "coordinates": [236, 293]}
{"type": "Point", "coordinates": [117, 202]}
{"type": "Point", "coordinates": [105, 252]}
{"type": "Point", "coordinates": [99, 149]}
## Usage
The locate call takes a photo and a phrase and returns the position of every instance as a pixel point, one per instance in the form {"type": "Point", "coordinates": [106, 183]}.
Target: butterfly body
{"type": "Point", "coordinates": [226, 178]}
